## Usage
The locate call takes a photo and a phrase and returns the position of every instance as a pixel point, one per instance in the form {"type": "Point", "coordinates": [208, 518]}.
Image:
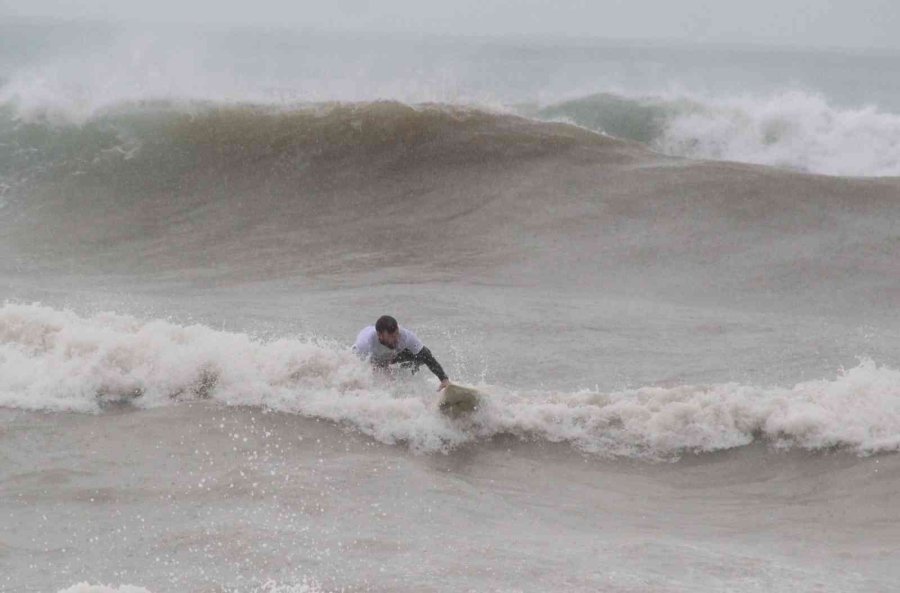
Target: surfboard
{"type": "Point", "coordinates": [458, 401]}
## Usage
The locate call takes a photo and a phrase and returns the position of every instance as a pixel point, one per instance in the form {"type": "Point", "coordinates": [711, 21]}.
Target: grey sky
{"type": "Point", "coordinates": [830, 23]}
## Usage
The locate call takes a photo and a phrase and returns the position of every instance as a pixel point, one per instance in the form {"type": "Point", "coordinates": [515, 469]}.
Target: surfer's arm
{"type": "Point", "coordinates": [425, 357]}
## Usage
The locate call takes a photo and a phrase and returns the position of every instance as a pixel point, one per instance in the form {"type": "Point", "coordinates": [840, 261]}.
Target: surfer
{"type": "Point", "coordinates": [387, 342]}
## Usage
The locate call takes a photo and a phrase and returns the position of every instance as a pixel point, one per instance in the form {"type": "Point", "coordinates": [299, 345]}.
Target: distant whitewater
{"type": "Point", "coordinates": [792, 130]}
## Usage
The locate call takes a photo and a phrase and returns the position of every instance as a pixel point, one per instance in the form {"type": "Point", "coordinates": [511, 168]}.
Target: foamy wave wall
{"type": "Point", "coordinates": [793, 130]}
{"type": "Point", "coordinates": [60, 361]}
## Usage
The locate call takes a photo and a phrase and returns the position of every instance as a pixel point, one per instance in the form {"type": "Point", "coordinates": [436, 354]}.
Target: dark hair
{"type": "Point", "coordinates": [386, 323]}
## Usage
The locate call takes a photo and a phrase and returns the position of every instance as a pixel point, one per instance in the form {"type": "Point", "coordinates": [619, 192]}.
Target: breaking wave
{"type": "Point", "coordinates": [796, 130]}
{"type": "Point", "coordinates": [59, 361]}
{"type": "Point", "coordinates": [793, 130]}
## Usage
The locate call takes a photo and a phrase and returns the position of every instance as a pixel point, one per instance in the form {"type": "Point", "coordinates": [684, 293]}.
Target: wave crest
{"type": "Point", "coordinates": [793, 130]}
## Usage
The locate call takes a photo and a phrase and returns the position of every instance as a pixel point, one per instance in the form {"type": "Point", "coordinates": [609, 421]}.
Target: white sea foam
{"type": "Point", "coordinates": [796, 130]}
{"type": "Point", "coordinates": [859, 409]}
{"type": "Point", "coordinates": [59, 361]}
{"type": "Point", "coordinates": [56, 360]}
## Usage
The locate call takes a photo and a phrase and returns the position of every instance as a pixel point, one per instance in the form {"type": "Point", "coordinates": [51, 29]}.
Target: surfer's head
{"type": "Point", "coordinates": [388, 331]}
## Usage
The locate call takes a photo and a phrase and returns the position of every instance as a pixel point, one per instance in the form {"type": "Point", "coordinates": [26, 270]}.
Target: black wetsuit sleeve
{"type": "Point", "coordinates": [427, 358]}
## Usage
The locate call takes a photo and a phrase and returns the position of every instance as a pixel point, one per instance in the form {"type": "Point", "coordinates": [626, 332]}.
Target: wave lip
{"type": "Point", "coordinates": [58, 361]}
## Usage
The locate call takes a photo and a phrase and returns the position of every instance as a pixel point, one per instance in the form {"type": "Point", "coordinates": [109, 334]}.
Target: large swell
{"type": "Point", "coordinates": [794, 130]}
{"type": "Point", "coordinates": [211, 191]}
{"type": "Point", "coordinates": [56, 360]}
{"type": "Point", "coordinates": [767, 117]}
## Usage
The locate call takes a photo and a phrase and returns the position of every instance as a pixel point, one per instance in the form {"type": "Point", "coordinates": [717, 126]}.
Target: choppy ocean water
{"type": "Point", "coordinates": [673, 272]}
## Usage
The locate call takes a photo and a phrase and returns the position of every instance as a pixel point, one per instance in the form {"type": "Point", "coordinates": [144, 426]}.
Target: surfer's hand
{"type": "Point", "coordinates": [444, 384]}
